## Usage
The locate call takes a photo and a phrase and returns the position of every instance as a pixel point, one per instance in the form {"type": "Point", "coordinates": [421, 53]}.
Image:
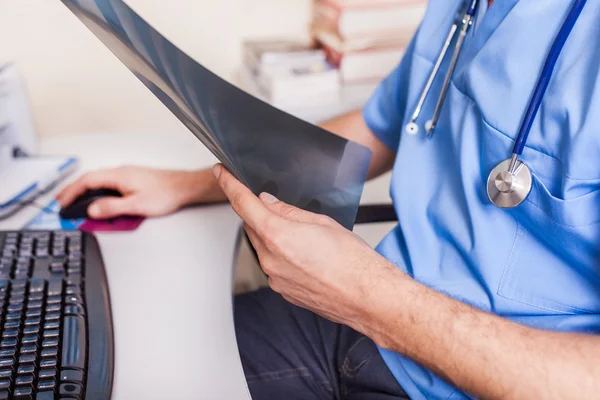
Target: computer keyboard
{"type": "Point", "coordinates": [55, 321]}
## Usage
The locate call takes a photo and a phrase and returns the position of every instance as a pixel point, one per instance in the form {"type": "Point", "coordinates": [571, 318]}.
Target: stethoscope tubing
{"type": "Point", "coordinates": [546, 75]}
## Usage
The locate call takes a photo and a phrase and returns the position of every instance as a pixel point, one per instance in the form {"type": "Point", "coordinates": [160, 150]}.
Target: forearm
{"type": "Point", "coordinates": [488, 356]}
{"type": "Point", "coordinates": [200, 187]}
{"type": "Point", "coordinates": [352, 126]}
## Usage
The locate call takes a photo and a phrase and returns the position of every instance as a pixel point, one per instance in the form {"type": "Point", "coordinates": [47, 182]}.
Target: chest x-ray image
{"type": "Point", "coordinates": [265, 148]}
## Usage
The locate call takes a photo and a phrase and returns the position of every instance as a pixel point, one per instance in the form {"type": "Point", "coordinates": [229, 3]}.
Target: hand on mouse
{"type": "Point", "coordinates": [146, 192]}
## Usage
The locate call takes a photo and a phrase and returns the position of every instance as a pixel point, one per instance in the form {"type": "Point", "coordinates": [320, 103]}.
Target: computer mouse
{"type": "Point", "coordinates": [78, 209]}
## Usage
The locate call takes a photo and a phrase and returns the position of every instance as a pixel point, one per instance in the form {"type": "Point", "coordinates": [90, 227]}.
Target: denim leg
{"type": "Point", "coordinates": [291, 353]}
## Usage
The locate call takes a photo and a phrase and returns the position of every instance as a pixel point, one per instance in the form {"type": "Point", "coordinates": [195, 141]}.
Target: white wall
{"type": "Point", "coordinates": [77, 85]}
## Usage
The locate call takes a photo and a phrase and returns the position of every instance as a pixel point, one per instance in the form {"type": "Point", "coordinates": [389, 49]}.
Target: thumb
{"type": "Point", "coordinates": [113, 207]}
{"type": "Point", "coordinates": [290, 212]}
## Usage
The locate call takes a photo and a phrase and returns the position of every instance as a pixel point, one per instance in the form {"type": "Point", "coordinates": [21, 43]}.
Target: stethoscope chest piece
{"type": "Point", "coordinates": [509, 189]}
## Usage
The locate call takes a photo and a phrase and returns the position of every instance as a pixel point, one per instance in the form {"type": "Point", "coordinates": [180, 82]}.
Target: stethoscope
{"type": "Point", "coordinates": [510, 182]}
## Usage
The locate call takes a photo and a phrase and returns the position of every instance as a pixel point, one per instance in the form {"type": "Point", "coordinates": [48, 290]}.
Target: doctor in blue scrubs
{"type": "Point", "coordinates": [462, 299]}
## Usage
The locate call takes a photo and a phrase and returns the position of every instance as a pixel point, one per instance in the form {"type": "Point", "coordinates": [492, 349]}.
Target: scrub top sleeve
{"type": "Point", "coordinates": [384, 112]}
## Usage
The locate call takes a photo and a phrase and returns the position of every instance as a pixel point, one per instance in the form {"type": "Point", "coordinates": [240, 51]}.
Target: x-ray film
{"type": "Point", "coordinates": [265, 148]}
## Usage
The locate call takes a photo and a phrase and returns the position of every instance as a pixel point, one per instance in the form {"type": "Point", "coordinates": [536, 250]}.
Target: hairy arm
{"type": "Point", "coordinates": [317, 264]}
{"type": "Point", "coordinates": [488, 356]}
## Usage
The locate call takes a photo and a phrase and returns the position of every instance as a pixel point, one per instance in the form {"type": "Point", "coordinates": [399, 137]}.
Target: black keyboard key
{"type": "Point", "coordinates": [40, 266]}
{"type": "Point", "coordinates": [12, 324]}
{"type": "Point", "coordinates": [24, 393]}
{"type": "Point", "coordinates": [54, 300]}
{"type": "Point", "coordinates": [71, 389]}
{"type": "Point", "coordinates": [29, 349]}
{"type": "Point", "coordinates": [45, 396]}
{"type": "Point", "coordinates": [36, 312]}
{"type": "Point", "coordinates": [50, 352]}
{"type": "Point", "coordinates": [20, 274]}
{"type": "Point", "coordinates": [36, 296]}
{"type": "Point", "coordinates": [47, 373]}
{"type": "Point", "coordinates": [41, 252]}
{"type": "Point", "coordinates": [57, 271]}
{"type": "Point", "coordinates": [73, 274]}
{"type": "Point", "coordinates": [71, 375]}
{"type": "Point", "coordinates": [48, 362]}
{"type": "Point", "coordinates": [55, 287]}
{"type": "Point", "coordinates": [31, 329]}
{"type": "Point", "coordinates": [50, 342]}
{"type": "Point", "coordinates": [5, 384]}
{"type": "Point", "coordinates": [26, 369]}
{"type": "Point", "coordinates": [73, 290]}
{"type": "Point", "coordinates": [52, 325]}
{"type": "Point", "coordinates": [59, 252]}
{"type": "Point", "coordinates": [13, 316]}
{"type": "Point", "coordinates": [5, 373]}
{"type": "Point", "coordinates": [4, 394]}
{"type": "Point", "coordinates": [34, 304]}
{"type": "Point", "coordinates": [33, 321]}
{"type": "Point", "coordinates": [27, 359]}
{"type": "Point", "coordinates": [19, 283]}
{"type": "Point", "coordinates": [47, 384]}
{"type": "Point", "coordinates": [37, 285]}
{"type": "Point", "coordinates": [74, 342]}
{"type": "Point", "coordinates": [24, 380]}
{"type": "Point", "coordinates": [50, 333]}
{"type": "Point", "coordinates": [16, 299]}
{"type": "Point", "coordinates": [12, 342]}
{"type": "Point", "coordinates": [15, 308]}
{"type": "Point", "coordinates": [4, 285]}
{"type": "Point", "coordinates": [72, 299]}
{"type": "Point", "coordinates": [7, 362]}
{"type": "Point", "coordinates": [74, 279]}
{"type": "Point", "coordinates": [12, 333]}
{"type": "Point", "coordinates": [52, 316]}
{"type": "Point", "coordinates": [27, 339]}
{"type": "Point", "coordinates": [53, 308]}
{"type": "Point", "coordinates": [8, 352]}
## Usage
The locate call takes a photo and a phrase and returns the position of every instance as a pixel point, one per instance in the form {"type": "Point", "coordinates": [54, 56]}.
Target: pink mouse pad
{"type": "Point", "coordinates": [120, 224]}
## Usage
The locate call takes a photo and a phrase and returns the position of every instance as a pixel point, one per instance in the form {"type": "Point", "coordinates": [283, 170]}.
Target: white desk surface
{"type": "Point", "coordinates": [170, 281]}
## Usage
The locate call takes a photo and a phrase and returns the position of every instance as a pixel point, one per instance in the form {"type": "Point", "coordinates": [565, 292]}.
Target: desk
{"type": "Point", "coordinates": [171, 280]}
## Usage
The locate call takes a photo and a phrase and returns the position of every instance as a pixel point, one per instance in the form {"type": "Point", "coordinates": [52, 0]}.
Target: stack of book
{"type": "Point", "coordinates": [365, 39]}
{"type": "Point", "coordinates": [288, 73]}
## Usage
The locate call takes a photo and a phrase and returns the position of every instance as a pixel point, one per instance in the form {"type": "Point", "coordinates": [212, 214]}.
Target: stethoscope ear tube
{"type": "Point", "coordinates": [467, 22]}
{"type": "Point", "coordinates": [412, 128]}
{"type": "Point", "coordinates": [465, 11]}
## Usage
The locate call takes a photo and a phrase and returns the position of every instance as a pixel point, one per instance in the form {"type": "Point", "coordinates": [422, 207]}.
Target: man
{"type": "Point", "coordinates": [461, 298]}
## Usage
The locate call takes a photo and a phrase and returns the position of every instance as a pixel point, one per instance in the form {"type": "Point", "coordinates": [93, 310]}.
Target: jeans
{"type": "Point", "coordinates": [291, 353]}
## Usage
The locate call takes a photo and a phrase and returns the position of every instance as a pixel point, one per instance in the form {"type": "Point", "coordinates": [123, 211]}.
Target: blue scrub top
{"type": "Point", "coordinates": [537, 264]}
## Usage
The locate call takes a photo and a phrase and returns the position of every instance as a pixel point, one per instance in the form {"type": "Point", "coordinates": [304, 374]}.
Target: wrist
{"type": "Point", "coordinates": [382, 305]}
{"type": "Point", "coordinates": [198, 187]}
